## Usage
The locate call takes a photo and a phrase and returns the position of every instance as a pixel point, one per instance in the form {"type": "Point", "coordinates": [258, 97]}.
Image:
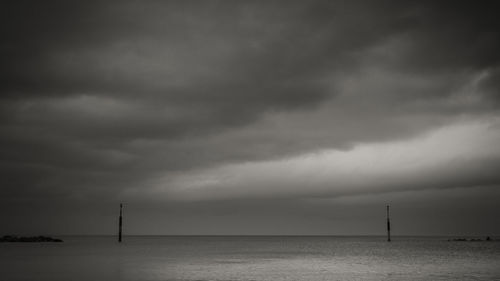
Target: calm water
{"type": "Point", "coordinates": [250, 258]}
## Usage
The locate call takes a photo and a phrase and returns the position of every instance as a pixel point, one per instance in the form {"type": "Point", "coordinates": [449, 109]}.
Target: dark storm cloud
{"type": "Point", "coordinates": [166, 70]}
{"type": "Point", "coordinates": [98, 98]}
{"type": "Point", "coordinates": [453, 36]}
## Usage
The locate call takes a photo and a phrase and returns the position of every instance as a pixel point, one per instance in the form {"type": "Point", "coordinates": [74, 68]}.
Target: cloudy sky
{"type": "Point", "coordinates": [246, 117]}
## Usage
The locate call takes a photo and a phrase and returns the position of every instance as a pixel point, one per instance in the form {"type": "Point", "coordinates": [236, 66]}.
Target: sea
{"type": "Point", "coordinates": [250, 258]}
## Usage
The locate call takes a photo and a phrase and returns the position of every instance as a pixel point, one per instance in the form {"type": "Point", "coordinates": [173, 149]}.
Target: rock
{"type": "Point", "coordinates": [459, 239]}
{"type": "Point", "coordinates": [12, 238]}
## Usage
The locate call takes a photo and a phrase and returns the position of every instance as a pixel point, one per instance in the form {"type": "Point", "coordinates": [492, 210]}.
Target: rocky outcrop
{"type": "Point", "coordinates": [470, 240]}
{"type": "Point", "coordinates": [11, 238]}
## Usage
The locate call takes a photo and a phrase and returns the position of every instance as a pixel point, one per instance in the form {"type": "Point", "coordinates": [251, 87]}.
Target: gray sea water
{"type": "Point", "coordinates": [253, 258]}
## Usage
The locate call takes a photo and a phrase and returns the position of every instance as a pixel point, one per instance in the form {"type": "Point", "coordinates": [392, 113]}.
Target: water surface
{"type": "Point", "coordinates": [252, 258]}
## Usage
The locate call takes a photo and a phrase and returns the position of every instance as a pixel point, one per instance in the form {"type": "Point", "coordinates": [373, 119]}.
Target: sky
{"type": "Point", "coordinates": [250, 117]}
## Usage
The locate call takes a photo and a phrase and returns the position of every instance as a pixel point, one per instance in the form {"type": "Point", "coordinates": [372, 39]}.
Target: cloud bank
{"type": "Point", "coordinates": [179, 103]}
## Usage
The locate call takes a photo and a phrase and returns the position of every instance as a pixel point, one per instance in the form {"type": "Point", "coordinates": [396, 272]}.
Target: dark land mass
{"type": "Point", "coordinates": [11, 238]}
{"type": "Point", "coordinates": [471, 240]}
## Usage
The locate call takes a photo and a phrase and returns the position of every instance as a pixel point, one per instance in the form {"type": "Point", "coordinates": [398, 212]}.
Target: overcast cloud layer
{"type": "Point", "coordinates": [232, 117]}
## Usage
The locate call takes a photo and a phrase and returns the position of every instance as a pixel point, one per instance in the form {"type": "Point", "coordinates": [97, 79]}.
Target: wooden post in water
{"type": "Point", "coordinates": [388, 226]}
{"type": "Point", "coordinates": [120, 225]}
